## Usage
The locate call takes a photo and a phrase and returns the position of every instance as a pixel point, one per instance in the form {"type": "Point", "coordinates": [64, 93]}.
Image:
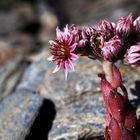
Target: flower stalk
{"type": "Point", "coordinates": [121, 121]}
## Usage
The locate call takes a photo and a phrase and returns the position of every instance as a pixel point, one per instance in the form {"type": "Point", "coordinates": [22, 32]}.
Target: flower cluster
{"type": "Point", "coordinates": [107, 41]}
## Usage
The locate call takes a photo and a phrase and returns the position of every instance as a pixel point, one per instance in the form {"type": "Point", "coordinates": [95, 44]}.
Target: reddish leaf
{"type": "Point", "coordinates": [114, 130]}
{"type": "Point", "coordinates": [106, 88]}
{"type": "Point", "coordinates": [117, 106]}
{"type": "Point", "coordinates": [125, 94]}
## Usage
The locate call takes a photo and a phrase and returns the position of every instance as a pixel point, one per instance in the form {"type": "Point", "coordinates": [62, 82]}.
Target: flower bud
{"type": "Point", "coordinates": [136, 24]}
{"type": "Point", "coordinates": [105, 29]}
{"type": "Point", "coordinates": [80, 36]}
{"type": "Point", "coordinates": [132, 56]}
{"type": "Point", "coordinates": [112, 49]}
{"type": "Point", "coordinates": [90, 31]}
{"type": "Point", "coordinates": [124, 26]}
{"type": "Point", "coordinates": [105, 25]}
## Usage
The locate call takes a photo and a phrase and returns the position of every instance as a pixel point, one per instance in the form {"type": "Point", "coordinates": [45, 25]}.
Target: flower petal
{"type": "Point", "coordinates": [70, 64]}
{"type": "Point", "coordinates": [66, 35]}
{"type": "Point", "coordinates": [57, 68]}
{"type": "Point", "coordinates": [70, 39]}
{"type": "Point", "coordinates": [66, 29]}
{"type": "Point", "coordinates": [59, 34]}
{"type": "Point", "coordinates": [73, 56]}
{"type": "Point", "coordinates": [133, 56]}
{"type": "Point", "coordinates": [51, 58]}
{"type": "Point", "coordinates": [72, 47]}
{"type": "Point", "coordinates": [65, 70]}
{"type": "Point", "coordinates": [131, 61]}
{"type": "Point", "coordinates": [136, 24]}
{"type": "Point", "coordinates": [53, 43]}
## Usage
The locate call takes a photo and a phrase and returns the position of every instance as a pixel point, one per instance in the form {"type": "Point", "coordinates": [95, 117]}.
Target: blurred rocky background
{"type": "Point", "coordinates": [33, 101]}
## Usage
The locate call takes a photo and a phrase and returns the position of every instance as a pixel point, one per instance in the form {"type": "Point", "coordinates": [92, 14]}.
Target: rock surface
{"type": "Point", "coordinates": [19, 110]}
{"type": "Point", "coordinates": [17, 114]}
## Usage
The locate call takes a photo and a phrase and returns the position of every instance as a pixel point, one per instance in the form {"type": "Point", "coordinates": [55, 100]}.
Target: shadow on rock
{"type": "Point", "coordinates": [43, 121]}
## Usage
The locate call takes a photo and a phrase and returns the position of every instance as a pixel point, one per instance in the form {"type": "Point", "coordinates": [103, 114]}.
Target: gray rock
{"type": "Point", "coordinates": [17, 114]}
{"type": "Point", "coordinates": [19, 110]}
{"type": "Point", "coordinates": [10, 74]}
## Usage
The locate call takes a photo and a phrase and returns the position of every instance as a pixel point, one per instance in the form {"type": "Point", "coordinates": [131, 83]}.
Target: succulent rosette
{"type": "Point", "coordinates": [124, 26]}
{"type": "Point", "coordinates": [132, 57]}
{"type": "Point", "coordinates": [105, 29]}
{"type": "Point", "coordinates": [112, 49]}
{"type": "Point", "coordinates": [136, 24]}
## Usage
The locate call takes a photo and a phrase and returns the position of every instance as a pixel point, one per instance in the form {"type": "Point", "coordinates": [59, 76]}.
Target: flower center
{"type": "Point", "coordinates": [63, 52]}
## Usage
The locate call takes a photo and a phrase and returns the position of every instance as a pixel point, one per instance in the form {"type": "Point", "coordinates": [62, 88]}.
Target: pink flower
{"type": "Point", "coordinates": [136, 24]}
{"type": "Point", "coordinates": [132, 57]}
{"type": "Point", "coordinates": [105, 25]}
{"type": "Point", "coordinates": [80, 36]}
{"type": "Point", "coordinates": [112, 49]}
{"type": "Point", "coordinates": [84, 37]}
{"type": "Point", "coordinates": [124, 26]}
{"type": "Point", "coordinates": [63, 50]}
{"type": "Point", "coordinates": [107, 28]}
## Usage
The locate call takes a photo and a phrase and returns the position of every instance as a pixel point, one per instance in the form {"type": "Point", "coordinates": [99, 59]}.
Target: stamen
{"type": "Point", "coordinates": [62, 51]}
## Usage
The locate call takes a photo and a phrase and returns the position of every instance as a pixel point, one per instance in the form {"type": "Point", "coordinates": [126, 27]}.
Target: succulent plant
{"type": "Point", "coordinates": [107, 42]}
